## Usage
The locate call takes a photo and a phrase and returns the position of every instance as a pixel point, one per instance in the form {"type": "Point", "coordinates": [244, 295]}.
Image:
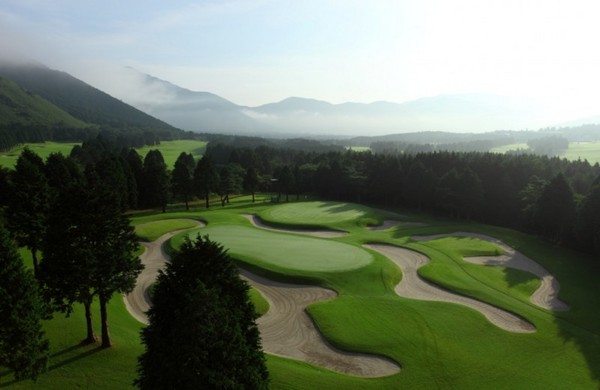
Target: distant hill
{"type": "Point", "coordinates": [21, 107]}
{"type": "Point", "coordinates": [79, 99]}
{"type": "Point", "coordinates": [296, 116]}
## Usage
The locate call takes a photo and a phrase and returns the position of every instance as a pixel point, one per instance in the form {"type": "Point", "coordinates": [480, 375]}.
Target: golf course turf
{"type": "Point", "coordinates": [436, 344]}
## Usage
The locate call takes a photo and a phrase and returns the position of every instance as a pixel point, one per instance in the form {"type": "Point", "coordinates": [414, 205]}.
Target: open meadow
{"type": "Point", "coordinates": [417, 303]}
{"type": "Point", "coordinates": [169, 149]}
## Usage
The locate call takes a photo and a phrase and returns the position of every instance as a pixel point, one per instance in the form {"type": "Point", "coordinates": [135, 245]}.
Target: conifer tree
{"type": "Point", "coordinates": [23, 347]}
{"type": "Point", "coordinates": [202, 332]}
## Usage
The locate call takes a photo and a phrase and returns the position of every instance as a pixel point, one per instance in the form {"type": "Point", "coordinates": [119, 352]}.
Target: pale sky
{"type": "Point", "coordinates": [258, 51]}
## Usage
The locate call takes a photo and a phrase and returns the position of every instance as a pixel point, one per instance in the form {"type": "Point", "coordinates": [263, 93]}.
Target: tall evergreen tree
{"type": "Point", "coordinates": [555, 210]}
{"type": "Point", "coordinates": [251, 181]}
{"type": "Point", "coordinates": [182, 177]}
{"type": "Point", "coordinates": [88, 249]}
{"type": "Point", "coordinates": [206, 179]}
{"type": "Point", "coordinates": [202, 332]}
{"type": "Point", "coordinates": [29, 203]}
{"type": "Point", "coordinates": [156, 181]}
{"type": "Point", "coordinates": [23, 347]}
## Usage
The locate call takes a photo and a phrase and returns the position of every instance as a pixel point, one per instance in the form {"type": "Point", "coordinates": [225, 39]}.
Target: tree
{"type": "Point", "coordinates": [206, 178]}
{"type": "Point", "coordinates": [202, 331]}
{"type": "Point", "coordinates": [182, 177]}
{"type": "Point", "coordinates": [112, 243]}
{"type": "Point", "coordinates": [29, 202]}
{"type": "Point", "coordinates": [88, 249]}
{"type": "Point", "coordinates": [555, 210]}
{"type": "Point", "coordinates": [588, 221]}
{"type": "Point", "coordinates": [156, 181]}
{"type": "Point", "coordinates": [251, 181]}
{"type": "Point", "coordinates": [23, 347]}
{"type": "Point", "coordinates": [285, 181]}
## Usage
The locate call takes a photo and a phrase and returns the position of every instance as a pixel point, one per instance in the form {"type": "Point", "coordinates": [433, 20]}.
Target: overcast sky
{"type": "Point", "coordinates": [258, 51]}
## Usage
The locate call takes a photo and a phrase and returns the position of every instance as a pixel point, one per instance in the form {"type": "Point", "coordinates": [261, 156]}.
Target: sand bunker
{"type": "Point", "coordinates": [546, 296]}
{"type": "Point", "coordinates": [154, 258]}
{"type": "Point", "coordinates": [388, 224]}
{"type": "Point", "coordinates": [412, 286]}
{"type": "Point", "coordinates": [287, 330]}
{"type": "Point", "coordinates": [254, 220]}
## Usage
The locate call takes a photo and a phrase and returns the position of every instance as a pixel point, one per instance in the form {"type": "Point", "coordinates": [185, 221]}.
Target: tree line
{"type": "Point", "coordinates": [543, 195]}
{"type": "Point", "coordinates": [71, 210]}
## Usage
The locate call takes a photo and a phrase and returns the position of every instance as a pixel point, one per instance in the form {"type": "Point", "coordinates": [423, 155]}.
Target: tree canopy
{"type": "Point", "coordinates": [202, 331]}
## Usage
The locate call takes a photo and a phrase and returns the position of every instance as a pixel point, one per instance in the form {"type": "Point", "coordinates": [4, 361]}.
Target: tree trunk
{"type": "Point", "coordinates": [104, 320]}
{"type": "Point", "coordinates": [91, 337]}
{"type": "Point", "coordinates": [35, 261]}
{"type": "Point", "coordinates": [252, 196]}
{"type": "Point", "coordinates": [207, 202]}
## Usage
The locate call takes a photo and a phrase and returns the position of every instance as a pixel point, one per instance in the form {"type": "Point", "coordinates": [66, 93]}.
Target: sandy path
{"type": "Point", "coordinates": [287, 330]}
{"type": "Point", "coordinates": [254, 220]}
{"type": "Point", "coordinates": [412, 286]}
{"type": "Point", "coordinates": [388, 223]}
{"type": "Point", "coordinates": [153, 258]}
{"type": "Point", "coordinates": [546, 296]}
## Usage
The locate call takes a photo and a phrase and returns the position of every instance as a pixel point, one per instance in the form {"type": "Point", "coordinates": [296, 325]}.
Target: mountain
{"type": "Point", "coordinates": [191, 110]}
{"type": "Point", "coordinates": [297, 116]}
{"type": "Point", "coordinates": [24, 109]}
{"type": "Point", "coordinates": [79, 99]}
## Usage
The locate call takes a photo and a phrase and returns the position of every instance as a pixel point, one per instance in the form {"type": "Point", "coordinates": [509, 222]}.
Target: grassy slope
{"type": "Point", "coordinates": [439, 345]}
{"type": "Point", "coordinates": [18, 106]}
{"type": "Point", "coordinates": [9, 159]}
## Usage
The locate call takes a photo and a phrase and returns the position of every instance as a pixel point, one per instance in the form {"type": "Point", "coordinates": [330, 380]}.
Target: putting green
{"type": "Point", "coordinates": [315, 213]}
{"type": "Point", "coordinates": [285, 251]}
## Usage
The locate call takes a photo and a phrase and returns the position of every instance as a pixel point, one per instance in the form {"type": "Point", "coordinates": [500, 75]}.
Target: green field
{"type": "Point", "coordinates": [9, 159]}
{"type": "Point", "coordinates": [589, 151]}
{"type": "Point", "coordinates": [438, 345]}
{"type": "Point", "coordinates": [506, 148]}
{"type": "Point", "coordinates": [169, 149]}
{"type": "Point", "coordinates": [172, 149]}
{"type": "Point", "coordinates": [583, 151]}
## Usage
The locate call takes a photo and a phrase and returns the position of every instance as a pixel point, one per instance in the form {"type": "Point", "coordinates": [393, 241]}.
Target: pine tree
{"type": "Point", "coordinates": [23, 347]}
{"type": "Point", "coordinates": [202, 332]}
{"type": "Point", "coordinates": [182, 177]}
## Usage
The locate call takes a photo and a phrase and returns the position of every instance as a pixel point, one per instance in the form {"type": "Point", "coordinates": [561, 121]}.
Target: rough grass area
{"type": "Point", "coordinates": [439, 345]}
{"type": "Point", "coordinates": [151, 231]}
{"type": "Point", "coordinates": [260, 303]}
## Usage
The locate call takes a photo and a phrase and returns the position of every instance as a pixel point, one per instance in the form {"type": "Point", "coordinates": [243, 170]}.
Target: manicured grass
{"type": "Point", "coordinates": [9, 159]}
{"type": "Point", "coordinates": [151, 231]}
{"type": "Point", "coordinates": [319, 213]}
{"type": "Point", "coordinates": [439, 345]}
{"type": "Point", "coordinates": [284, 252]}
{"type": "Point", "coordinates": [172, 149]}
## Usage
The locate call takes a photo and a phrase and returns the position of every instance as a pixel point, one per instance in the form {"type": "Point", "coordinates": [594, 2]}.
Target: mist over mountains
{"type": "Point", "coordinates": [296, 116]}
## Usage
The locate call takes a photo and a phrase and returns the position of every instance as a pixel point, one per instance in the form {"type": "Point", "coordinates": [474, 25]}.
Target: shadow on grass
{"type": "Point", "coordinates": [82, 355]}
{"type": "Point", "coordinates": [86, 351]}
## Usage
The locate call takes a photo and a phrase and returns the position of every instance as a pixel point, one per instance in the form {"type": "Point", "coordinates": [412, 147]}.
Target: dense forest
{"type": "Point", "coordinates": [549, 196]}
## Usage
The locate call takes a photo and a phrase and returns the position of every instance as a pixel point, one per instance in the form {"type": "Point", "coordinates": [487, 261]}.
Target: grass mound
{"type": "Point", "coordinates": [318, 213]}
